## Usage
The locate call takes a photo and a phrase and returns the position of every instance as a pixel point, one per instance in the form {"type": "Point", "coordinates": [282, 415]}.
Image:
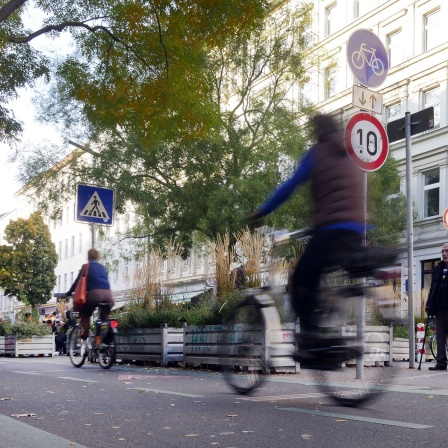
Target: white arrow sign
{"type": "Point", "coordinates": [367, 99]}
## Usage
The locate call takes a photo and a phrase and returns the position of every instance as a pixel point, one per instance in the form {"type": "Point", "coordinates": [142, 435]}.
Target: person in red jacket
{"type": "Point", "coordinates": [98, 290]}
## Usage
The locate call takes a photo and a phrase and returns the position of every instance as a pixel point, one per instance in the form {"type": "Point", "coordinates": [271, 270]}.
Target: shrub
{"type": "Point", "coordinates": [209, 311]}
{"type": "Point", "coordinates": [5, 327]}
{"type": "Point", "coordinates": [29, 328]}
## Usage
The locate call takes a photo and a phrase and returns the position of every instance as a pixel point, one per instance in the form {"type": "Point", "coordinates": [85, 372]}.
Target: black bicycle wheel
{"type": "Point", "coordinates": [77, 347]}
{"type": "Point", "coordinates": [107, 353]}
{"type": "Point", "coordinates": [343, 387]}
{"type": "Point", "coordinates": [433, 345]}
{"type": "Point", "coordinates": [242, 352]}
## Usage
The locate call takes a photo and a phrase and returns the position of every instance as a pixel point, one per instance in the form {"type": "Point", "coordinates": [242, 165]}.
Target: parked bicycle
{"type": "Point", "coordinates": [433, 342]}
{"type": "Point", "coordinates": [104, 351]}
{"type": "Point", "coordinates": [246, 347]}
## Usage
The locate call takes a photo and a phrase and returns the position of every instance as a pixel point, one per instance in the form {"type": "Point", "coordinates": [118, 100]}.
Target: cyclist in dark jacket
{"type": "Point", "coordinates": [437, 305]}
{"type": "Point", "coordinates": [337, 212]}
{"type": "Point", "coordinates": [98, 290]}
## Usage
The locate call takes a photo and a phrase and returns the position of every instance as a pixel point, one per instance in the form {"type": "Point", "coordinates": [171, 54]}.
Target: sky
{"type": "Point", "coordinates": [25, 111]}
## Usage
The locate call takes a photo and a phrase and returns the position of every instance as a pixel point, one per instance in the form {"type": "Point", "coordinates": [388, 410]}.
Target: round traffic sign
{"type": "Point", "coordinates": [367, 58]}
{"type": "Point", "coordinates": [445, 218]}
{"type": "Point", "coordinates": [366, 141]}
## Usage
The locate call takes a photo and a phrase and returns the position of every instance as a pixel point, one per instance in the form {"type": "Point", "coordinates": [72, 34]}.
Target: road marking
{"type": "Point", "coordinates": [27, 373]}
{"type": "Point", "coordinates": [76, 379]}
{"type": "Point", "coordinates": [168, 392]}
{"type": "Point", "coordinates": [283, 397]}
{"type": "Point", "coordinates": [377, 421]}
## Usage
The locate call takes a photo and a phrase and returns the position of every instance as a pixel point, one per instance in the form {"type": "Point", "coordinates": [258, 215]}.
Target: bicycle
{"type": "Point", "coordinates": [360, 58]}
{"type": "Point", "coordinates": [80, 348]}
{"type": "Point", "coordinates": [433, 343]}
{"type": "Point", "coordinates": [245, 347]}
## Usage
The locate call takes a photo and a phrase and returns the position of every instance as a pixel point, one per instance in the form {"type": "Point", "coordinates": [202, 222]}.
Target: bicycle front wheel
{"type": "Point", "coordinates": [77, 347]}
{"type": "Point", "coordinates": [107, 353]}
{"type": "Point", "coordinates": [242, 351]}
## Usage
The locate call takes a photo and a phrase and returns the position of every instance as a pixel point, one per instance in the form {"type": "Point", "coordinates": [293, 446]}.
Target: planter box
{"type": "Point", "coordinates": [401, 349]}
{"type": "Point", "coordinates": [2, 345]}
{"type": "Point", "coordinates": [201, 344]}
{"type": "Point", "coordinates": [162, 345]}
{"type": "Point", "coordinates": [23, 346]}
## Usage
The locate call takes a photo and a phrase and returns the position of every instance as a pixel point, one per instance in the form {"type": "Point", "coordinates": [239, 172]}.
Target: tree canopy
{"type": "Point", "coordinates": [28, 261]}
{"type": "Point", "coordinates": [133, 53]}
{"type": "Point", "coordinates": [193, 115]}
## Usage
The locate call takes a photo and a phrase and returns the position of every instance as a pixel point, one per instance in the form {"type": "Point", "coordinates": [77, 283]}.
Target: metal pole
{"type": "Point", "coordinates": [93, 234]}
{"type": "Point", "coordinates": [410, 239]}
{"type": "Point", "coordinates": [362, 301]}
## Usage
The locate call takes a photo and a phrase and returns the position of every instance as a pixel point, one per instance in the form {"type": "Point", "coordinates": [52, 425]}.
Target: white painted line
{"type": "Point", "coordinates": [377, 421]}
{"type": "Point", "coordinates": [76, 379]}
{"type": "Point", "coordinates": [168, 392]}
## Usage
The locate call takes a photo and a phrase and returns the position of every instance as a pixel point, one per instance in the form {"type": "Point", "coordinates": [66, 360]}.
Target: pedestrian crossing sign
{"type": "Point", "coordinates": [94, 205]}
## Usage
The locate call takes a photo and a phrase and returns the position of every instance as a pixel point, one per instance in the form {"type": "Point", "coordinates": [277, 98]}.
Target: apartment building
{"type": "Point", "coordinates": [417, 50]}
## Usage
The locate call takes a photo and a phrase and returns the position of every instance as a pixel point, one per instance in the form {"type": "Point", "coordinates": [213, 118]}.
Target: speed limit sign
{"type": "Point", "coordinates": [366, 141]}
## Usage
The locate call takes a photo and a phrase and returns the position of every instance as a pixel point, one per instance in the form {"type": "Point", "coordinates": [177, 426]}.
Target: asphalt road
{"type": "Point", "coordinates": [46, 402]}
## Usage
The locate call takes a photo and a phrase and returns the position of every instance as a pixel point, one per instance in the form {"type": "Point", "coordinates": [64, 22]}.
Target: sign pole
{"type": "Point", "coordinates": [360, 322]}
{"type": "Point", "coordinates": [410, 240]}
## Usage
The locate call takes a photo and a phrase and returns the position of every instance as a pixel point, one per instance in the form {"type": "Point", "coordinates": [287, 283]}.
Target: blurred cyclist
{"type": "Point", "coordinates": [337, 215]}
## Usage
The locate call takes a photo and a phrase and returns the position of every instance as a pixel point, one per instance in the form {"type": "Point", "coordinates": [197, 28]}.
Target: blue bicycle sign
{"type": "Point", "coordinates": [367, 58]}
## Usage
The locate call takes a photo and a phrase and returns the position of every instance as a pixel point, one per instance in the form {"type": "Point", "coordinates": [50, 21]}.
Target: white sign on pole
{"type": "Point", "coordinates": [367, 99]}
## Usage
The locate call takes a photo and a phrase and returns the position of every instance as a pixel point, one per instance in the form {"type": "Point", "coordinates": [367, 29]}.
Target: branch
{"type": "Point", "coordinates": [10, 7]}
{"type": "Point", "coordinates": [59, 28]}
{"type": "Point", "coordinates": [160, 37]}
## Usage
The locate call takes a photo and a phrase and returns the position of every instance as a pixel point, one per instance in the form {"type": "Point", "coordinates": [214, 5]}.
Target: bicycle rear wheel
{"type": "Point", "coordinates": [107, 353]}
{"type": "Point", "coordinates": [242, 351]}
{"type": "Point", "coordinates": [77, 347]}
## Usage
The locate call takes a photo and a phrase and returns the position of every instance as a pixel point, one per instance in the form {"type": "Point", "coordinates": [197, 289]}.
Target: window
{"type": "Point", "coordinates": [431, 189]}
{"type": "Point", "coordinates": [330, 84]}
{"type": "Point", "coordinates": [432, 98]}
{"type": "Point", "coordinates": [71, 278]}
{"type": "Point", "coordinates": [362, 7]}
{"type": "Point", "coordinates": [330, 15]}
{"type": "Point", "coordinates": [393, 112]}
{"type": "Point", "coordinates": [433, 30]}
{"type": "Point", "coordinates": [396, 48]}
{"type": "Point", "coordinates": [80, 243]}
{"type": "Point", "coordinates": [66, 248]}
{"type": "Point", "coordinates": [60, 250]}
{"type": "Point", "coordinates": [72, 246]}
{"type": "Point", "coordinates": [65, 282]}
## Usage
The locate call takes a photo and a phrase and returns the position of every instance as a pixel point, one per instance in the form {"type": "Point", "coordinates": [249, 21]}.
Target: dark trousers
{"type": "Point", "coordinates": [327, 248]}
{"type": "Point", "coordinates": [441, 334]}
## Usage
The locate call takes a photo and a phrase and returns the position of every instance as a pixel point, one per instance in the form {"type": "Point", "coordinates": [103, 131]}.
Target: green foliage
{"type": "Point", "coordinates": [30, 328]}
{"type": "Point", "coordinates": [207, 312]}
{"type": "Point", "coordinates": [162, 129]}
{"type": "Point", "coordinates": [29, 261]}
{"type": "Point", "coordinates": [5, 327]}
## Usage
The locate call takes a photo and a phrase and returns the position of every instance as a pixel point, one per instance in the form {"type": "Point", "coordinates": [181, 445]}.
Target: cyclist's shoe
{"type": "Point", "coordinates": [325, 352]}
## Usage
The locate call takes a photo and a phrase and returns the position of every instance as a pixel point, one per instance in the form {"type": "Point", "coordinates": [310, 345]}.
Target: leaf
{"type": "Point", "coordinates": [191, 435]}
{"type": "Point", "coordinates": [306, 436]}
{"type": "Point", "coordinates": [30, 414]}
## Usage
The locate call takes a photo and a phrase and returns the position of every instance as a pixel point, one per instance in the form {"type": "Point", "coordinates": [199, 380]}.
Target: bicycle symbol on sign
{"type": "Point", "coordinates": [364, 56]}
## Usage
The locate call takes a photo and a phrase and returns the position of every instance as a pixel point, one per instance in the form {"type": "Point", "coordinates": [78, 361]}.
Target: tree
{"type": "Point", "coordinates": [28, 261]}
{"type": "Point", "coordinates": [122, 44]}
{"type": "Point", "coordinates": [202, 163]}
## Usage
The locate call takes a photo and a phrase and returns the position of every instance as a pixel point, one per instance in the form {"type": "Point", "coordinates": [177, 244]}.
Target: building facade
{"type": "Point", "coordinates": [417, 49]}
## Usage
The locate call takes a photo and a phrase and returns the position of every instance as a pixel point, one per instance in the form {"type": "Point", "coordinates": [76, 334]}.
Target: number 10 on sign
{"type": "Point", "coordinates": [366, 141]}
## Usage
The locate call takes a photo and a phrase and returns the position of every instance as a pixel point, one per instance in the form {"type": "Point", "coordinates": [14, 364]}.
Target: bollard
{"type": "Point", "coordinates": [420, 336]}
